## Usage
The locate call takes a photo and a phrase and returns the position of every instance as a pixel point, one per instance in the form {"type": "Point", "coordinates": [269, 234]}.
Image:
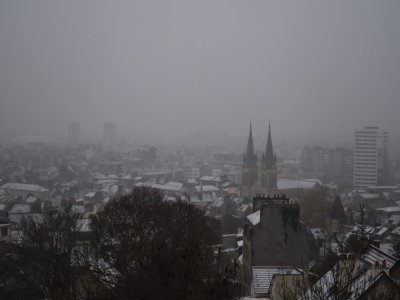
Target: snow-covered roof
{"type": "Point", "coordinates": [20, 209]}
{"type": "Point", "coordinates": [210, 178]}
{"type": "Point", "coordinates": [262, 276]}
{"type": "Point", "coordinates": [166, 187]}
{"type": "Point", "coordinates": [254, 218]}
{"type": "Point", "coordinates": [237, 200]}
{"type": "Point", "coordinates": [369, 195]}
{"type": "Point", "coordinates": [374, 254]}
{"type": "Point", "coordinates": [84, 225]}
{"type": "Point", "coordinates": [390, 209]}
{"type": "Point", "coordinates": [396, 231]}
{"type": "Point", "coordinates": [23, 187]}
{"type": "Point", "coordinates": [218, 203]}
{"type": "Point", "coordinates": [206, 188]}
{"type": "Point", "coordinates": [227, 184]}
{"type": "Point", "coordinates": [285, 184]}
{"type": "Point", "coordinates": [174, 184]}
{"type": "Point", "coordinates": [382, 230]}
{"type": "Point", "coordinates": [79, 209]}
{"type": "Point", "coordinates": [31, 199]}
{"type": "Point", "coordinates": [240, 258]}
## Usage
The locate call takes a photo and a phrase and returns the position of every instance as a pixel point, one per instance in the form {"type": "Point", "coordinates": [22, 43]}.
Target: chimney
{"type": "Point", "coordinates": [346, 270]}
{"type": "Point", "coordinates": [380, 266]}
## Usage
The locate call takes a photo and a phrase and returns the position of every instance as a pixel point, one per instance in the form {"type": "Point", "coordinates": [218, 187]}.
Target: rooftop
{"type": "Point", "coordinates": [23, 187]}
{"type": "Point", "coordinates": [262, 276]}
{"type": "Point", "coordinates": [254, 218]}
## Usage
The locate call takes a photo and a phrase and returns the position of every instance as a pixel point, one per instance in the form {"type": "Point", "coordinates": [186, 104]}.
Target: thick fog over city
{"type": "Point", "coordinates": [194, 150]}
{"type": "Point", "coordinates": [175, 68]}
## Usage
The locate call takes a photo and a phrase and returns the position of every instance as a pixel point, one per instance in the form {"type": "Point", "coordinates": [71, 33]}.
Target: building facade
{"type": "Point", "coordinates": [371, 157]}
{"type": "Point", "coordinates": [328, 164]}
{"type": "Point", "coordinates": [273, 236]}
{"type": "Point", "coordinates": [257, 180]}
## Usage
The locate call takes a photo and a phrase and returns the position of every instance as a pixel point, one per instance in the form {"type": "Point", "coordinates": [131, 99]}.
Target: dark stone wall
{"type": "Point", "coordinates": [279, 239]}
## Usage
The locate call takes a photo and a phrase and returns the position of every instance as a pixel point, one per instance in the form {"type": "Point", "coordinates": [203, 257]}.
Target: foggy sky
{"type": "Point", "coordinates": [171, 68]}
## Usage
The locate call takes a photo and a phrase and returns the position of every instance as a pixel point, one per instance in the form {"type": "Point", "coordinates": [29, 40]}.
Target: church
{"type": "Point", "coordinates": [255, 180]}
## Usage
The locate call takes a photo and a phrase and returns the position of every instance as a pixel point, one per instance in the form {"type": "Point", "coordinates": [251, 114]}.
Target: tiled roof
{"type": "Point", "coordinates": [374, 254]}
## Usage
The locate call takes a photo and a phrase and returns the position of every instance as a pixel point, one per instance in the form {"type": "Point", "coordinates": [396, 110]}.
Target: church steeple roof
{"type": "Point", "coordinates": [249, 156]}
{"type": "Point", "coordinates": [269, 158]}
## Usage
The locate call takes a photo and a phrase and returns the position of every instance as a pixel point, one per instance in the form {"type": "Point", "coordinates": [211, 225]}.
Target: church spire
{"type": "Point", "coordinates": [249, 168]}
{"type": "Point", "coordinates": [250, 147]}
{"type": "Point", "coordinates": [249, 156]}
{"type": "Point", "coordinates": [269, 157]}
{"type": "Point", "coordinates": [269, 171]}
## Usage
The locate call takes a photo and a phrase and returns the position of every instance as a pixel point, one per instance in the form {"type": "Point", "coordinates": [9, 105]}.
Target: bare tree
{"type": "Point", "coordinates": [148, 249]}
{"type": "Point", "coordinates": [44, 265]}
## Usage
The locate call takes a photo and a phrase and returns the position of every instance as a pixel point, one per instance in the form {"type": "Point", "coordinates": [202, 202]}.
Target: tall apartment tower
{"type": "Point", "coordinates": [109, 132]}
{"type": "Point", "coordinates": [371, 157]}
{"type": "Point", "coordinates": [74, 134]}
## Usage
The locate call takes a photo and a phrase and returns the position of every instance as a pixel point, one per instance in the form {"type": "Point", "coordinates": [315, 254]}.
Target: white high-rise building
{"type": "Point", "coordinates": [371, 157]}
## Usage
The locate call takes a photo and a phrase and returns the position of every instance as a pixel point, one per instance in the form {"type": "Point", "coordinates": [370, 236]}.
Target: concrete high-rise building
{"type": "Point", "coordinates": [109, 132]}
{"type": "Point", "coordinates": [371, 157]}
{"type": "Point", "coordinates": [74, 133]}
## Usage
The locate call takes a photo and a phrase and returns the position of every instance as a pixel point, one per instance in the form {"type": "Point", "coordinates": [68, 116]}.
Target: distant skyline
{"type": "Point", "coordinates": [171, 69]}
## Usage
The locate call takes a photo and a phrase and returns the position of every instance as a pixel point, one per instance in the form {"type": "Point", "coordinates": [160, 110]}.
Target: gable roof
{"type": "Point", "coordinates": [374, 254]}
{"type": "Point", "coordinates": [254, 218]}
{"type": "Point", "coordinates": [262, 276]}
{"type": "Point", "coordinates": [23, 187]}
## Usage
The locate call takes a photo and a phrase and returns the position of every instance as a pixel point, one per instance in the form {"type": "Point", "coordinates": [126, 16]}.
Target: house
{"type": "Point", "coordinates": [267, 280]}
{"type": "Point", "coordinates": [272, 236]}
{"type": "Point", "coordinates": [24, 190]}
{"type": "Point", "coordinates": [373, 272]}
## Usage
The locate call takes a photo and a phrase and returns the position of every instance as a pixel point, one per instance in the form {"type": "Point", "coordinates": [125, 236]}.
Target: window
{"type": "Point", "coordinates": [4, 231]}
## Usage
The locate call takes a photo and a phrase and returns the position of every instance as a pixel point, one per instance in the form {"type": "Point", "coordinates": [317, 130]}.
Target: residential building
{"type": "Point", "coordinates": [273, 236]}
{"type": "Point", "coordinates": [328, 164]}
{"type": "Point", "coordinates": [25, 189]}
